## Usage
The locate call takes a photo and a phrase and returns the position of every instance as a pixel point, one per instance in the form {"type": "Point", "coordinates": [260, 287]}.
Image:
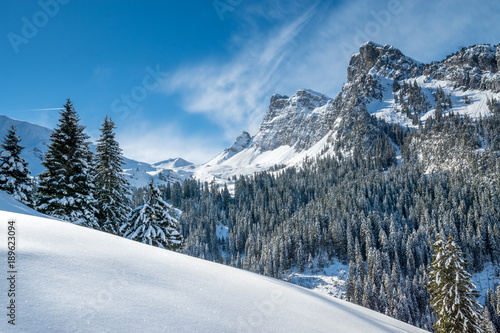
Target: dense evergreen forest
{"type": "Point", "coordinates": [378, 214]}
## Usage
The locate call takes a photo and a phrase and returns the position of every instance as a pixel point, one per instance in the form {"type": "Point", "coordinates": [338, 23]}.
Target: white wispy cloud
{"type": "Point", "coordinates": [236, 94]}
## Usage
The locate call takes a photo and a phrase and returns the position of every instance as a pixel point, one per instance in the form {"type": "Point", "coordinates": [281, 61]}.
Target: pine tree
{"type": "Point", "coordinates": [486, 323]}
{"type": "Point", "coordinates": [111, 186]}
{"type": "Point", "coordinates": [453, 294]}
{"type": "Point", "coordinates": [395, 86]}
{"type": "Point", "coordinates": [152, 223]}
{"type": "Point", "coordinates": [66, 188]}
{"type": "Point", "coordinates": [14, 172]}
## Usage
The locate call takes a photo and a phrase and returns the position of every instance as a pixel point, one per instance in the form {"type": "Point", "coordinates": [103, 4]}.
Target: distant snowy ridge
{"type": "Point", "coordinates": [173, 163]}
{"type": "Point", "coordinates": [36, 140]}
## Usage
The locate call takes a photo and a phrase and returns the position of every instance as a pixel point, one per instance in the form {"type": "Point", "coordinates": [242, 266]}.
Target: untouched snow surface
{"type": "Point", "coordinates": [73, 279]}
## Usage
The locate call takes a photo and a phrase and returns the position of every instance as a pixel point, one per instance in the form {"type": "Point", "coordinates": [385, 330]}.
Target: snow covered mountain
{"type": "Point", "coordinates": [469, 77]}
{"type": "Point", "coordinates": [173, 163]}
{"type": "Point", "coordinates": [309, 124]}
{"type": "Point", "coordinates": [168, 171]}
{"type": "Point", "coordinates": [291, 127]}
{"type": "Point", "coordinates": [90, 281]}
{"type": "Point", "coordinates": [298, 121]}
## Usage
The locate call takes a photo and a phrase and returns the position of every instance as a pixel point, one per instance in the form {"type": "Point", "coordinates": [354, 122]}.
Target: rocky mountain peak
{"type": "Point", "coordinates": [385, 60]}
{"type": "Point", "coordinates": [241, 142]}
{"type": "Point", "coordinates": [370, 52]}
{"type": "Point", "coordinates": [277, 97]}
{"type": "Point", "coordinates": [474, 67]}
{"type": "Point", "coordinates": [483, 57]}
{"type": "Point", "coordinates": [294, 121]}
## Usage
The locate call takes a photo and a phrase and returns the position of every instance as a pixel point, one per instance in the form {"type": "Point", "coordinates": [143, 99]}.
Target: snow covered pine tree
{"type": "Point", "coordinates": [453, 294]}
{"type": "Point", "coordinates": [66, 187]}
{"type": "Point", "coordinates": [14, 172]}
{"type": "Point", "coordinates": [152, 222]}
{"type": "Point", "coordinates": [111, 186]}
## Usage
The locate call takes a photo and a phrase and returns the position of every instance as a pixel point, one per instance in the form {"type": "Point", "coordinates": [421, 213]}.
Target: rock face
{"type": "Point", "coordinates": [475, 67]}
{"type": "Point", "coordinates": [298, 121]}
{"type": "Point", "coordinates": [481, 57]}
{"type": "Point", "coordinates": [241, 143]}
{"type": "Point", "coordinates": [497, 57]}
{"type": "Point", "coordinates": [385, 60]}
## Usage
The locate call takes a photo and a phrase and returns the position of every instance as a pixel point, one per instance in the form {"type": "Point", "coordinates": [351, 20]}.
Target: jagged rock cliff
{"type": "Point", "coordinates": [475, 67]}
{"type": "Point", "coordinates": [385, 60]}
{"type": "Point", "coordinates": [298, 121]}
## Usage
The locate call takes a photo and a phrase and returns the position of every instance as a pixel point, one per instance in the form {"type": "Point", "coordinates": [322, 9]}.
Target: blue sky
{"type": "Point", "coordinates": [184, 78]}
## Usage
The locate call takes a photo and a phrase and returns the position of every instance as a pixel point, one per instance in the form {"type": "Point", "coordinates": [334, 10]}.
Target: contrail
{"type": "Point", "coordinates": [48, 109]}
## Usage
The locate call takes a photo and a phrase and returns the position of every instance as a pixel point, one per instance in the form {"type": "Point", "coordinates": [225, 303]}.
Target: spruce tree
{"type": "Point", "coordinates": [14, 172]}
{"type": "Point", "coordinates": [152, 223]}
{"type": "Point", "coordinates": [486, 322]}
{"type": "Point", "coordinates": [111, 185]}
{"type": "Point", "coordinates": [66, 188]}
{"type": "Point", "coordinates": [453, 294]}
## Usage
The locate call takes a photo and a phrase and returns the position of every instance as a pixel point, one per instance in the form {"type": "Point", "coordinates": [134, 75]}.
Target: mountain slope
{"type": "Point", "coordinates": [73, 279]}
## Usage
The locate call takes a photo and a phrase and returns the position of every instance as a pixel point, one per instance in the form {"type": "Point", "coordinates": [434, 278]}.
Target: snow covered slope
{"type": "Point", "coordinates": [9, 204]}
{"type": "Point", "coordinates": [73, 279]}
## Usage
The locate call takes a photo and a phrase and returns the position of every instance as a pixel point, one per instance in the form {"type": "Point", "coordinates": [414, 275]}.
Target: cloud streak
{"type": "Point", "coordinates": [235, 95]}
{"type": "Point", "coordinates": [38, 110]}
